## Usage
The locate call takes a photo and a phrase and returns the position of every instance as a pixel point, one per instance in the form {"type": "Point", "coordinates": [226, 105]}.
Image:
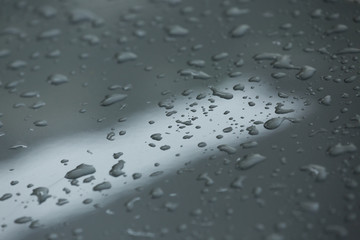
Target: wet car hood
{"type": "Point", "coordinates": [179, 119]}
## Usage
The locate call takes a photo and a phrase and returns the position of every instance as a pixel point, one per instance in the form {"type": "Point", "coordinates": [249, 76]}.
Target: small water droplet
{"type": "Point", "coordinates": [177, 31]}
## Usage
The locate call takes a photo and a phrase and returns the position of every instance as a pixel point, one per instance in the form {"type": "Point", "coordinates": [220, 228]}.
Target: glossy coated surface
{"type": "Point", "coordinates": [179, 119]}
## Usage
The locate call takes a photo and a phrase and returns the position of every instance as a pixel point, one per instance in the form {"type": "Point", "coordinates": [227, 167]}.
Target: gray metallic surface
{"type": "Point", "coordinates": [268, 150]}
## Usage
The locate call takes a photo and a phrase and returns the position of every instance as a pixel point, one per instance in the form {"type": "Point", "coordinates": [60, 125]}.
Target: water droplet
{"type": "Point", "coordinates": [23, 220]}
{"type": "Point", "coordinates": [202, 144]}
{"type": "Point", "coordinates": [102, 186]}
{"type": "Point", "coordinates": [92, 40]}
{"type": "Point", "coordinates": [38, 105]}
{"type": "Point", "coordinates": [18, 146]}
{"type": "Point", "coordinates": [156, 192]}
{"type": "Point", "coordinates": [350, 79]}
{"type": "Point", "coordinates": [113, 98]}
{"type": "Point", "coordinates": [250, 160]}
{"type": "Point", "coordinates": [42, 193]}
{"type": "Point", "coordinates": [54, 54]}
{"type": "Point", "coordinates": [319, 172]}
{"type": "Point", "coordinates": [140, 234]}
{"type": "Point", "coordinates": [57, 79]}
{"type": "Point", "coordinates": [131, 203]}
{"type": "Point", "coordinates": [280, 110]}
{"type": "Point", "coordinates": [126, 57]}
{"type": "Point", "coordinates": [235, 11]}
{"type": "Point", "coordinates": [267, 56]}
{"type": "Point", "coordinates": [117, 155]}
{"type": "Point", "coordinates": [238, 87]}
{"type": "Point", "coordinates": [116, 169]}
{"type": "Point", "coordinates": [348, 51]}
{"type": "Point", "coordinates": [35, 224]}
{"type": "Point", "coordinates": [177, 31]}
{"type": "Point", "coordinates": [195, 74]}
{"type": "Point", "coordinates": [220, 56]}
{"type": "Point", "coordinates": [136, 176]}
{"type": "Point", "coordinates": [87, 201]}
{"type": "Point", "coordinates": [240, 31]}
{"type": "Point", "coordinates": [196, 63]}
{"type": "Point", "coordinates": [49, 34]}
{"type": "Point", "coordinates": [47, 11]}
{"type": "Point", "coordinates": [156, 136]}
{"type": "Point", "coordinates": [165, 147]}
{"type": "Point", "coordinates": [80, 171]}
{"type": "Point", "coordinates": [221, 94]}
{"type": "Point", "coordinates": [84, 15]}
{"type": "Point", "coordinates": [283, 62]}
{"type": "Point", "coordinates": [17, 64]}
{"type": "Point", "coordinates": [278, 75]}
{"type": "Point", "coordinates": [41, 123]}
{"type": "Point", "coordinates": [5, 196]}
{"type": "Point", "coordinates": [339, 149]}
{"type": "Point", "coordinates": [250, 144]}
{"type": "Point", "coordinates": [205, 177]}
{"type": "Point", "coordinates": [252, 130]}
{"type": "Point", "coordinates": [337, 230]}
{"type": "Point", "coordinates": [325, 100]}
{"type": "Point", "coordinates": [339, 28]}
{"type": "Point", "coordinates": [62, 201]}
{"type": "Point", "coordinates": [30, 94]}
{"type": "Point", "coordinates": [226, 148]}
{"type": "Point", "coordinates": [238, 182]}
{"type": "Point", "coordinates": [317, 13]}
{"type": "Point", "coordinates": [273, 123]}
{"type": "Point", "coordinates": [308, 206]}
{"type": "Point", "coordinates": [4, 52]}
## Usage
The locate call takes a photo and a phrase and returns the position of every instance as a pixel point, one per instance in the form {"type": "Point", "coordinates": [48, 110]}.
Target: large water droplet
{"type": "Point", "coordinates": [42, 193]}
{"type": "Point", "coordinates": [250, 160]}
{"type": "Point", "coordinates": [80, 171]}
{"type": "Point", "coordinates": [116, 169]}
{"type": "Point", "coordinates": [113, 98]}
{"type": "Point", "coordinates": [240, 31]}
{"type": "Point", "coordinates": [57, 79]}
{"type": "Point", "coordinates": [102, 186]}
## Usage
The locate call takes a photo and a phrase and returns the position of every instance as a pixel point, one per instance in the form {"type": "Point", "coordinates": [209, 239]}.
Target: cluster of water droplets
{"type": "Point", "coordinates": [255, 106]}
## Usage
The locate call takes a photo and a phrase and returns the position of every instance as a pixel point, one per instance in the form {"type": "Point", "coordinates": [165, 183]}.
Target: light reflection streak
{"type": "Point", "coordinates": [43, 168]}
